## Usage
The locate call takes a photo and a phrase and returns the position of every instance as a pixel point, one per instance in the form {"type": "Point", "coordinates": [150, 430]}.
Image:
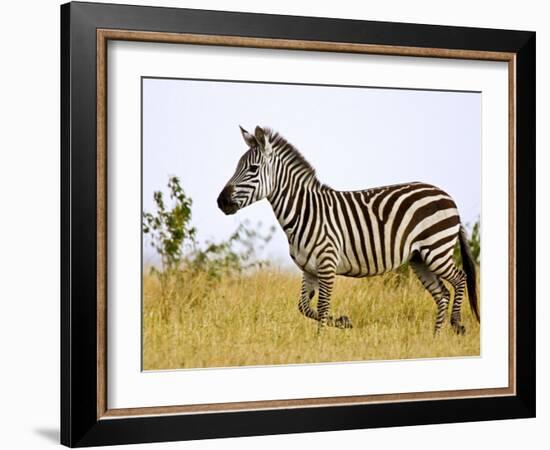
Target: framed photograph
{"type": "Point", "coordinates": [277, 224]}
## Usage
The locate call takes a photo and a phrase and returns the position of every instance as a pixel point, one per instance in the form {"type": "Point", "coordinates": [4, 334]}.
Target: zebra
{"type": "Point", "coordinates": [353, 233]}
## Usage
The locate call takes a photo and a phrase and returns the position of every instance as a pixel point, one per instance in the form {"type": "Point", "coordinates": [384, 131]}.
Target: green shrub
{"type": "Point", "coordinates": [174, 240]}
{"type": "Point", "coordinates": [170, 229]}
{"type": "Point", "coordinates": [238, 253]}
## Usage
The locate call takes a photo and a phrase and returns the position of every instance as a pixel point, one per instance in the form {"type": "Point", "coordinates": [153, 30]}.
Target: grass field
{"type": "Point", "coordinates": [254, 320]}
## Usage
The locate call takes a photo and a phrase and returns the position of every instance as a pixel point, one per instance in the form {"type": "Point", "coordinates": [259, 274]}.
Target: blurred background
{"type": "Point", "coordinates": [355, 137]}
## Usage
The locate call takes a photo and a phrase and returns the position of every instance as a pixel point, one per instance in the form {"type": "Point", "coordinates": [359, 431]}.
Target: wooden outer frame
{"type": "Point", "coordinates": [86, 28]}
{"type": "Point", "coordinates": [103, 36]}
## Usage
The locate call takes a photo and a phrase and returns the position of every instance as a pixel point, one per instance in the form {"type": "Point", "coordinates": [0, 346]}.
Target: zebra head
{"type": "Point", "coordinates": [252, 180]}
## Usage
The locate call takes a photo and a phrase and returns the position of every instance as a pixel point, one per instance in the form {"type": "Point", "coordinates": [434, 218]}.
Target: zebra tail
{"type": "Point", "coordinates": [469, 267]}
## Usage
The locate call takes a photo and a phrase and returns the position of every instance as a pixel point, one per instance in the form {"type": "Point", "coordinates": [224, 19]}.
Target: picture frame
{"type": "Point", "coordinates": [86, 418]}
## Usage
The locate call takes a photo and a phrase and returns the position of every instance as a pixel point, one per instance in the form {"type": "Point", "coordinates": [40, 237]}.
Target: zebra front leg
{"type": "Point", "coordinates": [326, 273]}
{"type": "Point", "coordinates": [326, 282]}
{"type": "Point", "coordinates": [309, 284]}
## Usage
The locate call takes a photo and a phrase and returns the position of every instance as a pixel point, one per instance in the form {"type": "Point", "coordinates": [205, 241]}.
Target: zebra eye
{"type": "Point", "coordinates": [254, 167]}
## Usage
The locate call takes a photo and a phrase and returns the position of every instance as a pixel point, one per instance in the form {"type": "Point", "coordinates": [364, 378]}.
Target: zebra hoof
{"type": "Point", "coordinates": [460, 329]}
{"type": "Point", "coordinates": [343, 322]}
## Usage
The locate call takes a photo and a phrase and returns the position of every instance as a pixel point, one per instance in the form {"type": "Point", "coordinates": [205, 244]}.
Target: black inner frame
{"type": "Point", "coordinates": [79, 423]}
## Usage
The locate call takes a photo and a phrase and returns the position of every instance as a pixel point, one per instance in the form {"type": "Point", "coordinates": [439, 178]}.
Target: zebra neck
{"type": "Point", "coordinates": [290, 196]}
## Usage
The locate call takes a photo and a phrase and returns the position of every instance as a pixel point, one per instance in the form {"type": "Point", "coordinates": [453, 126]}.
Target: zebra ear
{"type": "Point", "coordinates": [260, 137]}
{"type": "Point", "coordinates": [248, 138]}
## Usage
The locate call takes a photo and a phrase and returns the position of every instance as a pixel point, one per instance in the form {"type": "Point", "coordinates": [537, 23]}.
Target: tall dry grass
{"type": "Point", "coordinates": [254, 320]}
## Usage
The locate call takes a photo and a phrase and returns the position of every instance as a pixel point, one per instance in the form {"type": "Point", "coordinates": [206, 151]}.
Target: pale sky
{"type": "Point", "coordinates": [355, 137]}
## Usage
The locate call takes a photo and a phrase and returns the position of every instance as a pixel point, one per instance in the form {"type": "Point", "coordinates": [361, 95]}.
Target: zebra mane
{"type": "Point", "coordinates": [283, 147]}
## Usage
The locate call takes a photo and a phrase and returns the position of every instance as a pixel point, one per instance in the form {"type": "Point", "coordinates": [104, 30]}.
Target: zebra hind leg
{"type": "Point", "coordinates": [443, 266]}
{"type": "Point", "coordinates": [458, 280]}
{"type": "Point", "coordinates": [435, 287]}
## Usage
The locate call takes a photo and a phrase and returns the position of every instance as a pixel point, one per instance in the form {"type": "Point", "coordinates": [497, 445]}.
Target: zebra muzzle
{"type": "Point", "coordinates": [226, 202]}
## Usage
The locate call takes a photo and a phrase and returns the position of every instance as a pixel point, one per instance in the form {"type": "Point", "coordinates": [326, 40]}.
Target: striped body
{"type": "Point", "coordinates": [353, 233]}
{"type": "Point", "coordinates": [372, 231]}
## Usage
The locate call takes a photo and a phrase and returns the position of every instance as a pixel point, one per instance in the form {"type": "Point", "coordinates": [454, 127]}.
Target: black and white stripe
{"type": "Point", "coordinates": [353, 233]}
